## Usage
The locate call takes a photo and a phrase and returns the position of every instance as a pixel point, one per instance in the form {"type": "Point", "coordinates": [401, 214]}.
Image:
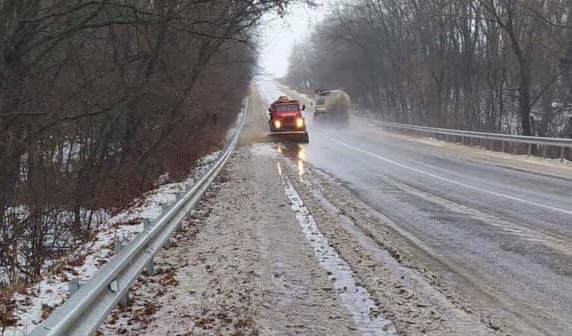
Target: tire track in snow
{"type": "Point", "coordinates": [355, 297]}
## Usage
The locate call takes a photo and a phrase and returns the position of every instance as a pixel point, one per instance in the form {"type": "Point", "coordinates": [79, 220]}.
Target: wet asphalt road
{"type": "Point", "coordinates": [504, 233]}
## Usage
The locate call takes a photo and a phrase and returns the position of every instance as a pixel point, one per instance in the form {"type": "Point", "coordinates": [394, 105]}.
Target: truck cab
{"type": "Point", "coordinates": [285, 118]}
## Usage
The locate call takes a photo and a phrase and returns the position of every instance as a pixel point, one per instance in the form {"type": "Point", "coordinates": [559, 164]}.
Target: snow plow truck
{"type": "Point", "coordinates": [332, 105]}
{"type": "Point", "coordinates": [286, 120]}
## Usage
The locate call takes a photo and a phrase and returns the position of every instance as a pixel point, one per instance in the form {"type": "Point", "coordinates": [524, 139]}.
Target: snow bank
{"type": "Point", "coordinates": [35, 303]}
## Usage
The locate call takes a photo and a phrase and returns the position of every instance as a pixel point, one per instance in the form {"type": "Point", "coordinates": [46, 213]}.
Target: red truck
{"type": "Point", "coordinates": [287, 121]}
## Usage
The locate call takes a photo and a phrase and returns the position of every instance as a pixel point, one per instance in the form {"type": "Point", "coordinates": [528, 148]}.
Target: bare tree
{"type": "Point", "coordinates": [99, 98]}
{"type": "Point", "coordinates": [471, 64]}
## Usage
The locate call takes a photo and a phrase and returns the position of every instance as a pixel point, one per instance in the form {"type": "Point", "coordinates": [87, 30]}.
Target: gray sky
{"type": "Point", "coordinates": [279, 35]}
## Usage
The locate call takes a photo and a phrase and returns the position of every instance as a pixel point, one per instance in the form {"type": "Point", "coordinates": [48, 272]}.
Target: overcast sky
{"type": "Point", "coordinates": [280, 35]}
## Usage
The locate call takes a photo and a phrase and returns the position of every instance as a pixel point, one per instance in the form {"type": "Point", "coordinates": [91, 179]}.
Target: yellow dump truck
{"type": "Point", "coordinates": [332, 105]}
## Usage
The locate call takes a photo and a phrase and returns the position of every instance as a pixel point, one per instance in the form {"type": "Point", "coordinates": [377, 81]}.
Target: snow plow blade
{"type": "Point", "coordinates": [294, 136]}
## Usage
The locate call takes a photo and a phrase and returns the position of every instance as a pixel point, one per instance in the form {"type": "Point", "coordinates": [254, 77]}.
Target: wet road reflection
{"type": "Point", "coordinates": [295, 152]}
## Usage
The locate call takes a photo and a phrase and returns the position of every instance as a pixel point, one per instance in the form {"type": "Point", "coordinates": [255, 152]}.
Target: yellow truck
{"type": "Point", "coordinates": [332, 105]}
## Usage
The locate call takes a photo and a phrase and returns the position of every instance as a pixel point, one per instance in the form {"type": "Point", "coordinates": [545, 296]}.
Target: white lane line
{"type": "Point", "coordinates": [468, 186]}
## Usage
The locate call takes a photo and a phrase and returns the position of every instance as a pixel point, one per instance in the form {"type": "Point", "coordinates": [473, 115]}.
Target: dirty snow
{"type": "Point", "coordinates": [355, 297]}
{"type": "Point", "coordinates": [38, 301]}
{"type": "Point", "coordinates": [241, 266]}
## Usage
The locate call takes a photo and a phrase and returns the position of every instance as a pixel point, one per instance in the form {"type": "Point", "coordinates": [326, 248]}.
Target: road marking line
{"type": "Point", "coordinates": [567, 212]}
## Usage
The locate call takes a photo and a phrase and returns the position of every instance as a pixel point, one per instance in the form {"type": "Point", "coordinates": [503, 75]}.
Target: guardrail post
{"type": "Point", "coordinates": [168, 243]}
{"type": "Point", "coordinates": [146, 224]}
{"type": "Point", "coordinates": [503, 146]}
{"type": "Point", "coordinates": [124, 300]}
{"type": "Point", "coordinates": [514, 147]}
{"type": "Point", "coordinates": [544, 151]}
{"type": "Point", "coordinates": [529, 150]}
{"type": "Point", "coordinates": [180, 195]}
{"type": "Point", "coordinates": [562, 153]}
{"type": "Point", "coordinates": [74, 286]}
{"type": "Point", "coordinates": [118, 246]}
{"type": "Point", "coordinates": [150, 266]}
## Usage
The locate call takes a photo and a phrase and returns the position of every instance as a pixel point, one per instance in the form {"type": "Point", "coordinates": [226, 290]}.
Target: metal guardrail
{"type": "Point", "coordinates": [562, 143]}
{"type": "Point", "coordinates": [85, 311]}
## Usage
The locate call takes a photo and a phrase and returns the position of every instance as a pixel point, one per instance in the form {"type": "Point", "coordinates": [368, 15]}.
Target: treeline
{"type": "Point", "coordinates": [100, 98]}
{"type": "Point", "coordinates": [490, 65]}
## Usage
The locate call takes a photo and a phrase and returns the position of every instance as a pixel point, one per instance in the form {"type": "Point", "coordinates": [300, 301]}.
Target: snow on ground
{"type": "Point", "coordinates": [354, 296]}
{"type": "Point", "coordinates": [240, 266]}
{"type": "Point", "coordinates": [38, 301]}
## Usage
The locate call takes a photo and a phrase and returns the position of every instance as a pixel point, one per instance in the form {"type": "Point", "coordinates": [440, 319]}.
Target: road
{"type": "Point", "coordinates": [498, 232]}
